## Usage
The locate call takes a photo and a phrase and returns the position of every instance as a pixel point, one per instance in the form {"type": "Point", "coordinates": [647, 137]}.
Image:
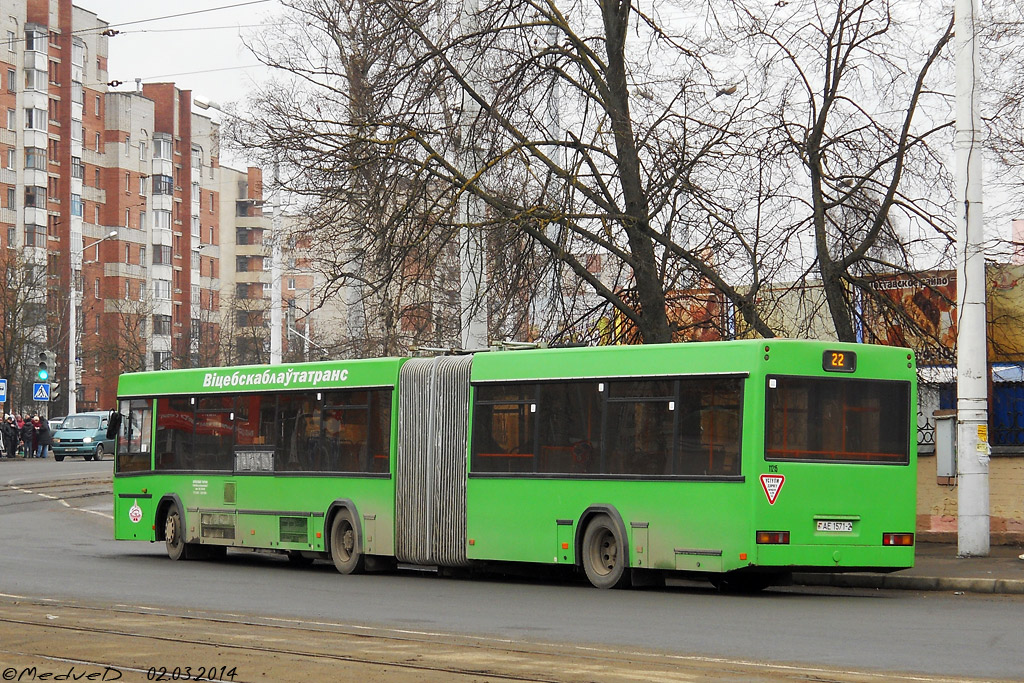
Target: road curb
{"type": "Point", "coordinates": [917, 583]}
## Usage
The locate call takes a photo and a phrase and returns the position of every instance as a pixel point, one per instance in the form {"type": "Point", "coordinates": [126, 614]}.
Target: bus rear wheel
{"type": "Point", "coordinates": [604, 559]}
{"type": "Point", "coordinates": [348, 558]}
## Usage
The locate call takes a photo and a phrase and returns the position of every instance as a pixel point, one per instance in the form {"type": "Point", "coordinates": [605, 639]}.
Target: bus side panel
{"type": "Point", "coordinates": [263, 501]}
{"type": "Point", "coordinates": [135, 502]}
{"type": "Point", "coordinates": [669, 522]}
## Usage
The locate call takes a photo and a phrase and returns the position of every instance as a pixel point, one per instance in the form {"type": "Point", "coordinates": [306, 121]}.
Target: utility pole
{"type": "Point", "coordinates": [971, 346]}
{"type": "Point", "coordinates": [472, 267]}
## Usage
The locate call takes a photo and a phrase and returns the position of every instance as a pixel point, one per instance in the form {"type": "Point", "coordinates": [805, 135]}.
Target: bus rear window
{"type": "Point", "coordinates": [837, 420]}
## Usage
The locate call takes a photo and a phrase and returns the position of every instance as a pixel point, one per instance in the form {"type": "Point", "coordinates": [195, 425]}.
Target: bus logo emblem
{"type": "Point", "coordinates": [135, 513]}
{"type": "Point", "coordinates": [772, 484]}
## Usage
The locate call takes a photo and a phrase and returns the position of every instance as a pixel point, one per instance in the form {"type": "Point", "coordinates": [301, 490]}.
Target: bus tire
{"type": "Point", "coordinates": [345, 550]}
{"type": "Point", "coordinates": [174, 535]}
{"type": "Point", "coordinates": [604, 559]}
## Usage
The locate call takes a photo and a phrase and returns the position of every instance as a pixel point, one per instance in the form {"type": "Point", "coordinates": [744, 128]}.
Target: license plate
{"type": "Point", "coordinates": [832, 525]}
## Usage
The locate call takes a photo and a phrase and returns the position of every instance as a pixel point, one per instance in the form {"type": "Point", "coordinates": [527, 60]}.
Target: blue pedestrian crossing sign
{"type": "Point", "coordinates": [3, 391]}
{"type": "Point", "coordinates": [40, 391]}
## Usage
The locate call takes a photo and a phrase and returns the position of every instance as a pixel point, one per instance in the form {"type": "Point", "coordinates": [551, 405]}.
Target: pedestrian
{"type": "Point", "coordinates": [43, 436]}
{"type": "Point", "coordinates": [9, 433]}
{"type": "Point", "coordinates": [28, 436]}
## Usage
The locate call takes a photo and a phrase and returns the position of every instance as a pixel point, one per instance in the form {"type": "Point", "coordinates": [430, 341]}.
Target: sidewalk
{"type": "Point", "coordinates": [937, 568]}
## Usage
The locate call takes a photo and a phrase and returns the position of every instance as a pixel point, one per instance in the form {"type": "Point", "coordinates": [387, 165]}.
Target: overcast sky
{"type": "Point", "coordinates": [194, 43]}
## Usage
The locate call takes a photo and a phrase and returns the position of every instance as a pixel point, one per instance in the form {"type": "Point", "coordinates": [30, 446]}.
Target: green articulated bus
{"type": "Point", "coordinates": [737, 462]}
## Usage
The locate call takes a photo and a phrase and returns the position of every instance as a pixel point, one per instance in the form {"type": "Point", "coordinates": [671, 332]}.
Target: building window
{"type": "Point", "coordinates": [127, 290]}
{"type": "Point", "coordinates": [35, 197]}
{"type": "Point", "coordinates": [96, 289]}
{"type": "Point", "coordinates": [35, 80]}
{"type": "Point", "coordinates": [195, 227]}
{"type": "Point", "coordinates": [35, 235]}
{"type": "Point", "coordinates": [162, 184]}
{"type": "Point", "coordinates": [127, 218]}
{"type": "Point", "coordinates": [162, 325]}
{"type": "Point", "coordinates": [162, 289]}
{"type": "Point", "coordinates": [196, 295]}
{"type": "Point", "coordinates": [12, 77]}
{"type": "Point", "coordinates": [142, 220]}
{"type": "Point", "coordinates": [127, 144]}
{"type": "Point", "coordinates": [11, 198]}
{"type": "Point", "coordinates": [241, 290]}
{"type": "Point", "coordinates": [195, 193]}
{"type": "Point", "coordinates": [195, 259]}
{"type": "Point", "coordinates": [161, 255]}
{"type": "Point", "coordinates": [241, 264]}
{"type": "Point", "coordinates": [77, 208]}
{"type": "Point", "coordinates": [12, 122]}
{"type": "Point", "coordinates": [127, 182]}
{"type": "Point", "coordinates": [97, 142]}
{"type": "Point", "coordinates": [35, 119]}
{"type": "Point", "coordinates": [161, 360]}
{"type": "Point", "coordinates": [36, 158]}
{"type": "Point", "coordinates": [142, 262]}
{"type": "Point", "coordinates": [11, 154]}
{"type": "Point", "coordinates": [162, 149]}
{"type": "Point", "coordinates": [162, 219]}
{"type": "Point", "coordinates": [291, 283]}
{"type": "Point", "coordinates": [52, 223]}
{"type": "Point", "coordinates": [142, 185]}
{"type": "Point", "coordinates": [34, 40]}
{"type": "Point", "coordinates": [142, 150]}
{"type": "Point", "coordinates": [77, 169]}
{"type": "Point", "coordinates": [97, 105]}
{"type": "Point", "coordinates": [10, 41]}
{"type": "Point", "coordinates": [98, 324]}
{"type": "Point", "coordinates": [96, 214]}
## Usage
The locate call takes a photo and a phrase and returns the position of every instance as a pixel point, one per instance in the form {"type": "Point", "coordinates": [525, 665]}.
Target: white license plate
{"type": "Point", "coordinates": [832, 525]}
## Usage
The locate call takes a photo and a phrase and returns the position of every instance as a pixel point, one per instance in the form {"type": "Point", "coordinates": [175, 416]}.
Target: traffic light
{"type": "Point", "coordinates": [43, 373]}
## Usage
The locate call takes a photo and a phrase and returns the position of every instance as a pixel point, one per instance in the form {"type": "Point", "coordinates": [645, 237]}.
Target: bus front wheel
{"type": "Point", "coordinates": [604, 557]}
{"type": "Point", "coordinates": [174, 536]}
{"type": "Point", "coordinates": [348, 558]}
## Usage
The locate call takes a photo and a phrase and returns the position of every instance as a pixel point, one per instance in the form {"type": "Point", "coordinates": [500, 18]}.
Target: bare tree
{"type": "Point", "coordinates": [23, 309]}
{"type": "Point", "coordinates": [125, 347]}
{"type": "Point", "coordinates": [712, 148]}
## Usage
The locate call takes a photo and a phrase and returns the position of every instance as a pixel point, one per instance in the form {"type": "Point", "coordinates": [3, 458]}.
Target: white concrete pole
{"type": "Point", "coordinates": [472, 264]}
{"type": "Point", "coordinates": [971, 357]}
{"type": "Point", "coordinates": [275, 289]}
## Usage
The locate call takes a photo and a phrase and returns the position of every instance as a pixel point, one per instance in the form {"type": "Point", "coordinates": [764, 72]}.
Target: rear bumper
{"type": "Point", "coordinates": [845, 558]}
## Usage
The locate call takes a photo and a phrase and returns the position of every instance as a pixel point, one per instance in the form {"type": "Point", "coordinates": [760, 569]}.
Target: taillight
{"type": "Point", "coordinates": [897, 539]}
{"type": "Point", "coordinates": [773, 537]}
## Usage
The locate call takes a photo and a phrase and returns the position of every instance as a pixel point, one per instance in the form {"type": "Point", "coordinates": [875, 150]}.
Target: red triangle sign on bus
{"type": "Point", "coordinates": [772, 484]}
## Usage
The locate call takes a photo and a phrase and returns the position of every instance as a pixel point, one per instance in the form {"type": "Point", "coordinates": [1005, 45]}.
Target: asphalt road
{"type": "Point", "coordinates": [55, 542]}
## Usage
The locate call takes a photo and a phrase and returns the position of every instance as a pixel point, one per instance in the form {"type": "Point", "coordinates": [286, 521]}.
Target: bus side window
{"type": "Point", "coordinates": [135, 440]}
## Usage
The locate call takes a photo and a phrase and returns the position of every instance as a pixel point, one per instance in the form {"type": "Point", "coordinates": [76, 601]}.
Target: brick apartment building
{"type": "Point", "coordinates": [80, 161]}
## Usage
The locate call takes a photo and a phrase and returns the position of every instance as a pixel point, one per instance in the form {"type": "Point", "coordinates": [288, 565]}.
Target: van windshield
{"type": "Point", "coordinates": [81, 422]}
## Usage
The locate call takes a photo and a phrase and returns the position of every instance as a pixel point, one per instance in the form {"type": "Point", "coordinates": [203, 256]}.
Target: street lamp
{"type": "Point", "coordinates": [73, 328]}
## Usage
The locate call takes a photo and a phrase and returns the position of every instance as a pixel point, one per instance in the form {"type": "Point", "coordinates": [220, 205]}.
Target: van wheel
{"type": "Point", "coordinates": [99, 453]}
{"type": "Point", "coordinates": [57, 457]}
{"type": "Point", "coordinates": [345, 551]}
{"type": "Point", "coordinates": [604, 556]}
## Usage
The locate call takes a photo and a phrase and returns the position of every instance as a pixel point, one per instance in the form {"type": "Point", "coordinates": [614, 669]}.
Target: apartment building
{"type": "Point", "coordinates": [115, 216]}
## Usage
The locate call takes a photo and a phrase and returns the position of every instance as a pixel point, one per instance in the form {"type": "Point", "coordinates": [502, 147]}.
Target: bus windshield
{"type": "Point", "coordinates": [837, 420]}
{"type": "Point", "coordinates": [82, 422]}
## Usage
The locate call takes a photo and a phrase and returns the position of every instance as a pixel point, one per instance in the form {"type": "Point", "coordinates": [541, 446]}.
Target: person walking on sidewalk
{"type": "Point", "coordinates": [43, 436]}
